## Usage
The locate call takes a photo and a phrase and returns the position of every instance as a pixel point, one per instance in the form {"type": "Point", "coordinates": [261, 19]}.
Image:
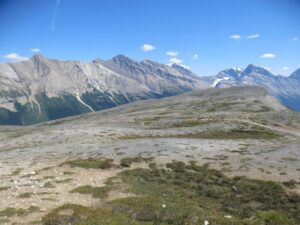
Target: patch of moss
{"type": "Point", "coordinates": [290, 183]}
{"type": "Point", "coordinates": [49, 185]}
{"type": "Point", "coordinates": [91, 163]}
{"type": "Point", "coordinates": [9, 212]}
{"type": "Point", "coordinates": [68, 173]}
{"type": "Point", "coordinates": [46, 168]}
{"type": "Point", "coordinates": [16, 172]}
{"type": "Point", "coordinates": [190, 123]}
{"type": "Point", "coordinates": [80, 215]}
{"type": "Point", "coordinates": [4, 221]}
{"type": "Point", "coordinates": [225, 135]}
{"type": "Point", "coordinates": [4, 188]}
{"type": "Point", "coordinates": [126, 162]}
{"type": "Point", "coordinates": [64, 181]}
{"type": "Point", "coordinates": [96, 192]}
{"type": "Point", "coordinates": [49, 177]}
{"type": "Point", "coordinates": [25, 195]}
{"type": "Point", "coordinates": [274, 218]}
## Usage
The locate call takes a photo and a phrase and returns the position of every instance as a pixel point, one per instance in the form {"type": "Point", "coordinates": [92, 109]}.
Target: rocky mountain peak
{"type": "Point", "coordinates": [296, 74]}
{"type": "Point", "coordinates": [122, 59]}
{"type": "Point", "coordinates": [38, 59]}
{"type": "Point", "coordinates": [255, 70]}
{"type": "Point", "coordinates": [233, 73]}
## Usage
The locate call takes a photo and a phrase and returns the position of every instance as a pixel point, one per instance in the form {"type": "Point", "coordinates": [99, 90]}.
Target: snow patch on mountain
{"type": "Point", "coordinates": [83, 103]}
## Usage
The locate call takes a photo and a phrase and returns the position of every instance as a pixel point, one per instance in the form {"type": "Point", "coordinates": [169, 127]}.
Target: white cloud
{"type": "Point", "coordinates": [268, 56]}
{"type": "Point", "coordinates": [175, 60]}
{"type": "Point", "coordinates": [285, 68]}
{"type": "Point", "coordinates": [172, 53]}
{"type": "Point", "coordinates": [295, 39]}
{"type": "Point", "coordinates": [14, 57]}
{"type": "Point", "coordinates": [195, 56]}
{"type": "Point", "coordinates": [235, 37]}
{"type": "Point", "coordinates": [178, 62]}
{"type": "Point", "coordinates": [35, 50]}
{"type": "Point", "coordinates": [148, 47]}
{"type": "Point", "coordinates": [252, 36]}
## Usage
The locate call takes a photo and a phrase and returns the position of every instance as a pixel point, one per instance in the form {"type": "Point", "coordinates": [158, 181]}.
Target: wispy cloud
{"type": "Point", "coordinates": [35, 50]}
{"type": "Point", "coordinates": [14, 57]}
{"type": "Point", "coordinates": [147, 47]}
{"type": "Point", "coordinates": [235, 37]}
{"type": "Point", "coordinates": [268, 56]}
{"type": "Point", "coordinates": [295, 38]}
{"type": "Point", "coordinates": [54, 15]}
{"type": "Point", "coordinates": [172, 53]}
{"type": "Point", "coordinates": [285, 68]}
{"type": "Point", "coordinates": [239, 37]}
{"type": "Point", "coordinates": [175, 60]}
{"type": "Point", "coordinates": [252, 36]}
{"type": "Point", "coordinates": [195, 56]}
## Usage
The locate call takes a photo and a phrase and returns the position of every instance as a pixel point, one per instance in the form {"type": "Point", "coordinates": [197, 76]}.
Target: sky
{"type": "Point", "coordinates": [206, 36]}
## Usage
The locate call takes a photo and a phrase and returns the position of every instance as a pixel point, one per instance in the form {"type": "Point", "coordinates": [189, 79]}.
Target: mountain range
{"type": "Point", "coordinates": [43, 89]}
{"type": "Point", "coordinates": [286, 89]}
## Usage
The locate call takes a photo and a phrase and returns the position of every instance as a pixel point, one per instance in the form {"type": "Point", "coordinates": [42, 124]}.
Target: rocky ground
{"type": "Point", "coordinates": [236, 132]}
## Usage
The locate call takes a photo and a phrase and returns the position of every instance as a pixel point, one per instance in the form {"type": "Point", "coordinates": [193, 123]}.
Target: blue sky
{"type": "Point", "coordinates": [205, 35]}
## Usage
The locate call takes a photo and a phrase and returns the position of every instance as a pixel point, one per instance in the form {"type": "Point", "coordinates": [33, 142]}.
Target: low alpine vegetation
{"type": "Point", "coordinates": [185, 194]}
{"type": "Point", "coordinates": [91, 163]}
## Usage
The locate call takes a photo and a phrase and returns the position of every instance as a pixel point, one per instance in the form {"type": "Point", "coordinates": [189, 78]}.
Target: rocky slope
{"type": "Point", "coordinates": [42, 89]}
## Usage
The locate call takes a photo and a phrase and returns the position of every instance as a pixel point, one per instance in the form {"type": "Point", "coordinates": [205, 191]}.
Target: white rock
{"type": "Point", "coordinates": [206, 222]}
{"type": "Point", "coordinates": [228, 216]}
{"type": "Point", "coordinates": [163, 206]}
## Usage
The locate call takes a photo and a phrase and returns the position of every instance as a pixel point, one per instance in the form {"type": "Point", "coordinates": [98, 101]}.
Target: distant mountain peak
{"type": "Point", "coordinates": [235, 73]}
{"type": "Point", "coordinates": [97, 60]}
{"type": "Point", "coordinates": [296, 74]}
{"type": "Point", "coordinates": [38, 58]}
{"type": "Point", "coordinates": [122, 58]}
{"type": "Point", "coordinates": [176, 66]}
{"type": "Point", "coordinates": [252, 69]}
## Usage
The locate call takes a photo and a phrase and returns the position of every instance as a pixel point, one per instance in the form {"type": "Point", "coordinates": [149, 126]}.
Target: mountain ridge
{"type": "Point", "coordinates": [286, 89]}
{"type": "Point", "coordinates": [42, 89]}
